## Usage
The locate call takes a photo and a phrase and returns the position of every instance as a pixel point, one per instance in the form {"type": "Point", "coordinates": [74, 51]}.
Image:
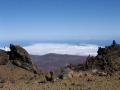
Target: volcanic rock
{"type": "Point", "coordinates": [20, 57]}
{"type": "Point", "coordinates": [107, 60]}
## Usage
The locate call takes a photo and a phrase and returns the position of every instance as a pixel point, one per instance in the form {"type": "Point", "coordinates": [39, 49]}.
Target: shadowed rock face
{"type": "Point", "coordinates": [20, 57]}
{"type": "Point", "coordinates": [17, 56]}
{"type": "Point", "coordinates": [18, 52]}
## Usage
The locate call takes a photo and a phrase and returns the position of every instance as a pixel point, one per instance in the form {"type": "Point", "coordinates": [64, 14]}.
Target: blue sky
{"type": "Point", "coordinates": [59, 19]}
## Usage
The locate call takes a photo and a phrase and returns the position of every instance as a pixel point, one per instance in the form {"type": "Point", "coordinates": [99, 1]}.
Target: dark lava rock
{"type": "Point", "coordinates": [107, 60]}
{"type": "Point", "coordinates": [20, 57]}
{"type": "Point", "coordinates": [4, 57]}
{"type": "Point", "coordinates": [50, 77]}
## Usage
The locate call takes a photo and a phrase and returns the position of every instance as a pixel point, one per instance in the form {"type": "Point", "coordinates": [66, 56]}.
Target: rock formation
{"type": "Point", "coordinates": [107, 60]}
{"type": "Point", "coordinates": [20, 57]}
{"type": "Point", "coordinates": [17, 56]}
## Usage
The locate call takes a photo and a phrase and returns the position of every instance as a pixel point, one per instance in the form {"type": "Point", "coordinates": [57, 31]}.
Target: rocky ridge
{"type": "Point", "coordinates": [17, 56]}
{"type": "Point", "coordinates": [107, 60]}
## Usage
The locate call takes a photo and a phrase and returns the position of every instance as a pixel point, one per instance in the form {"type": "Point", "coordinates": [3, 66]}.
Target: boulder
{"type": "Point", "coordinates": [4, 57]}
{"type": "Point", "coordinates": [50, 77]}
{"type": "Point", "coordinates": [20, 57]}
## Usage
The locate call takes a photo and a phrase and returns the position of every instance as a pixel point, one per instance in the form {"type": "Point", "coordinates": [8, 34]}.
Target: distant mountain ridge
{"type": "Point", "coordinates": [53, 61]}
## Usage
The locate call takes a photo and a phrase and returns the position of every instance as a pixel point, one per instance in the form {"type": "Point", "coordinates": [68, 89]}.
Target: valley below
{"type": "Point", "coordinates": [53, 61]}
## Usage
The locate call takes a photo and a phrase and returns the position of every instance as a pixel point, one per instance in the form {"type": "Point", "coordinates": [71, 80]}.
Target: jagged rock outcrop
{"type": "Point", "coordinates": [107, 60]}
{"type": "Point", "coordinates": [17, 56]}
{"type": "Point", "coordinates": [4, 57]}
{"type": "Point", "coordinates": [20, 57]}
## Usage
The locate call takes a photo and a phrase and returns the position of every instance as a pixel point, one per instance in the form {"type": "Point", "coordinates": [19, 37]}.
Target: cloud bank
{"type": "Point", "coordinates": [45, 48]}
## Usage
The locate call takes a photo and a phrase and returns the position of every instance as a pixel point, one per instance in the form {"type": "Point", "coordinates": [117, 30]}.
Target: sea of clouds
{"type": "Point", "coordinates": [70, 49]}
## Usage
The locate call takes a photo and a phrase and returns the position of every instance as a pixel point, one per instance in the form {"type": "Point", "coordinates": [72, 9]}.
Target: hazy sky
{"type": "Point", "coordinates": [59, 19]}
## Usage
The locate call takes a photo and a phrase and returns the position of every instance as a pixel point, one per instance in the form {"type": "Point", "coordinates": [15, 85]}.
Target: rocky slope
{"type": "Point", "coordinates": [18, 73]}
{"type": "Point", "coordinates": [16, 63]}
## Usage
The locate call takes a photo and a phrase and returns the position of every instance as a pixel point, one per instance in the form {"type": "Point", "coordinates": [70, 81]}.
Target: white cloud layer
{"type": "Point", "coordinates": [45, 48]}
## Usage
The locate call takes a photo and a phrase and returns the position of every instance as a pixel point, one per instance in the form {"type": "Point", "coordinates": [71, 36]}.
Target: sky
{"type": "Point", "coordinates": [59, 20]}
